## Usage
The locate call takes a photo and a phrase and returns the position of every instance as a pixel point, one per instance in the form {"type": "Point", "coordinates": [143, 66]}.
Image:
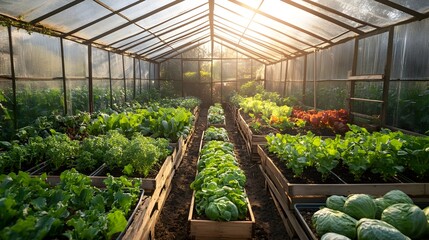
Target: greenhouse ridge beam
{"type": "Point", "coordinates": [244, 48]}
{"type": "Point", "coordinates": [281, 21]}
{"type": "Point", "coordinates": [323, 16]}
{"type": "Point", "coordinates": [211, 16]}
{"type": "Point", "coordinates": [248, 24]}
{"type": "Point", "coordinates": [134, 21]}
{"type": "Point", "coordinates": [185, 47]}
{"type": "Point", "coordinates": [58, 10]}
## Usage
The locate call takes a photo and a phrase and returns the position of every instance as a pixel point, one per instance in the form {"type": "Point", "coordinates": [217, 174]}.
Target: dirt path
{"type": "Point", "coordinates": [173, 221]}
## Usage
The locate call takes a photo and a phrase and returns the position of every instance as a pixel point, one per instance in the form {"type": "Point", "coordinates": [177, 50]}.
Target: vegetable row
{"type": "Point", "coordinates": [216, 114]}
{"type": "Point", "coordinates": [363, 217]}
{"type": "Point", "coordinates": [74, 209]}
{"type": "Point", "coordinates": [385, 153]}
{"type": "Point", "coordinates": [219, 184]}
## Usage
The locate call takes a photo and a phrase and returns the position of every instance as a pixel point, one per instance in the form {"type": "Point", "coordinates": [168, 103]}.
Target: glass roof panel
{"type": "Point", "coordinates": [130, 40]}
{"type": "Point", "coordinates": [287, 30]}
{"type": "Point", "coordinates": [190, 26]}
{"type": "Point", "coordinates": [101, 27]}
{"type": "Point", "coordinates": [257, 47]}
{"type": "Point", "coordinates": [268, 41]}
{"type": "Point", "coordinates": [116, 5]}
{"type": "Point", "coordinates": [277, 34]}
{"type": "Point", "coordinates": [301, 18]}
{"type": "Point", "coordinates": [178, 10]}
{"type": "Point", "coordinates": [327, 13]}
{"type": "Point", "coordinates": [239, 10]}
{"type": "Point", "coordinates": [29, 10]}
{"type": "Point", "coordinates": [241, 50]}
{"type": "Point", "coordinates": [228, 24]}
{"type": "Point", "coordinates": [367, 10]}
{"type": "Point", "coordinates": [221, 34]}
{"type": "Point", "coordinates": [124, 32]}
{"type": "Point", "coordinates": [241, 20]}
{"type": "Point", "coordinates": [77, 16]}
{"type": "Point", "coordinates": [197, 37]}
{"type": "Point", "coordinates": [143, 45]}
{"type": "Point", "coordinates": [416, 5]}
{"type": "Point", "coordinates": [144, 8]}
{"type": "Point", "coordinates": [176, 21]}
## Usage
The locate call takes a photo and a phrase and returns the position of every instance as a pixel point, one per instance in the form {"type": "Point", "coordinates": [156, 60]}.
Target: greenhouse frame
{"type": "Point", "coordinates": [369, 58]}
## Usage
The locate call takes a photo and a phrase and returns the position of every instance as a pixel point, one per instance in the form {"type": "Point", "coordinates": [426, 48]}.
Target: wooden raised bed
{"type": "Point", "coordinates": [251, 140]}
{"type": "Point", "coordinates": [292, 193]}
{"type": "Point", "coordinates": [208, 229]}
{"type": "Point", "coordinates": [211, 230]}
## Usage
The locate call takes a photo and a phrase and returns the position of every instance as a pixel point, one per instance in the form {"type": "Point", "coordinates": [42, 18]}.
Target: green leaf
{"type": "Point", "coordinates": [39, 203]}
{"type": "Point", "coordinates": [116, 223]}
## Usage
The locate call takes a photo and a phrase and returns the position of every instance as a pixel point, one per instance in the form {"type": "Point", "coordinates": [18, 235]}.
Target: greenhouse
{"type": "Point", "coordinates": [214, 119]}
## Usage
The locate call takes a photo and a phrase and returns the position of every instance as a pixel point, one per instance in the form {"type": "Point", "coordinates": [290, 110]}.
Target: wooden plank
{"type": "Point", "coordinates": [366, 100]}
{"type": "Point", "coordinates": [286, 223]}
{"type": "Point", "coordinates": [273, 172]}
{"type": "Point", "coordinates": [138, 219]}
{"type": "Point", "coordinates": [285, 207]}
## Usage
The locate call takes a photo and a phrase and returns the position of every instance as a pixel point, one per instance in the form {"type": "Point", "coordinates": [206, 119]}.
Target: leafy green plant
{"type": "Point", "coordinates": [216, 114]}
{"type": "Point", "coordinates": [32, 209]}
{"type": "Point", "coordinates": [219, 184]}
{"type": "Point", "coordinates": [215, 133]}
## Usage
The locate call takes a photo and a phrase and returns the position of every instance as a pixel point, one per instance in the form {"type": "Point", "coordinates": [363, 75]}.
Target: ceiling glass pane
{"type": "Point", "coordinates": [416, 5]}
{"type": "Point", "coordinates": [288, 30]}
{"type": "Point", "coordinates": [229, 24]}
{"type": "Point", "coordinates": [268, 41]}
{"type": "Point", "coordinates": [144, 8]}
{"type": "Point", "coordinates": [77, 16]}
{"type": "Point", "coordinates": [301, 18]}
{"type": "Point", "coordinates": [274, 33]}
{"type": "Point", "coordinates": [118, 35]}
{"type": "Point", "coordinates": [222, 34]}
{"type": "Point", "coordinates": [367, 10]}
{"type": "Point", "coordinates": [178, 10]}
{"type": "Point", "coordinates": [101, 27]}
{"type": "Point", "coordinates": [132, 39]}
{"type": "Point", "coordinates": [241, 19]}
{"type": "Point", "coordinates": [176, 20]}
{"type": "Point", "coordinates": [190, 26]}
{"type": "Point", "coordinates": [259, 48]}
{"type": "Point", "coordinates": [145, 44]}
{"type": "Point", "coordinates": [327, 13]}
{"type": "Point", "coordinates": [116, 5]}
{"type": "Point", "coordinates": [29, 10]}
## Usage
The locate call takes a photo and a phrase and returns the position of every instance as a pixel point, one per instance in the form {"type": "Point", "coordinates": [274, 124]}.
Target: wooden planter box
{"type": "Point", "coordinates": [207, 229]}
{"type": "Point", "coordinates": [234, 111]}
{"type": "Point", "coordinates": [251, 140]}
{"type": "Point", "coordinates": [211, 230]}
{"type": "Point", "coordinates": [292, 193]}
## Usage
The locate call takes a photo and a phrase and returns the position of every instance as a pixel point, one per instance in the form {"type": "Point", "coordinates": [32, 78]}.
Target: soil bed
{"type": "Point", "coordinates": [173, 221]}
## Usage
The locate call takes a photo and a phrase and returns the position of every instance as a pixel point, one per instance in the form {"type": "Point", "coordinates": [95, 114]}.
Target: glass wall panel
{"type": "Point", "coordinates": [227, 90]}
{"type": "Point", "coordinates": [258, 70]}
{"type": "Point", "coordinates": [6, 93]}
{"type": "Point", "coordinates": [372, 54]}
{"type": "Point", "coordinates": [205, 71]}
{"type": "Point", "coordinates": [76, 71]}
{"type": "Point", "coordinates": [217, 71]}
{"type": "Point", "coordinates": [39, 86]}
{"type": "Point", "coordinates": [332, 94]}
{"type": "Point", "coordinates": [335, 62]}
{"type": "Point", "coordinates": [118, 84]}
{"type": "Point", "coordinates": [244, 69]}
{"type": "Point", "coordinates": [100, 79]}
{"type": "Point", "coordinates": [409, 105]}
{"type": "Point", "coordinates": [411, 51]}
{"type": "Point", "coordinates": [229, 70]}
{"type": "Point", "coordinates": [190, 71]}
{"type": "Point", "coordinates": [217, 92]}
{"type": "Point", "coordinates": [129, 78]}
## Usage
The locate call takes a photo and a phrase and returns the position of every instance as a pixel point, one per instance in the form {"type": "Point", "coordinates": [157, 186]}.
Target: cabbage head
{"type": "Point", "coordinates": [381, 204]}
{"type": "Point", "coordinates": [397, 196]}
{"type": "Point", "coordinates": [328, 220]}
{"type": "Point", "coordinates": [336, 202]}
{"type": "Point", "coordinates": [407, 218]}
{"type": "Point", "coordinates": [360, 206]}
{"type": "Point", "coordinates": [222, 209]}
{"type": "Point", "coordinates": [372, 229]}
{"type": "Point", "coordinates": [334, 236]}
